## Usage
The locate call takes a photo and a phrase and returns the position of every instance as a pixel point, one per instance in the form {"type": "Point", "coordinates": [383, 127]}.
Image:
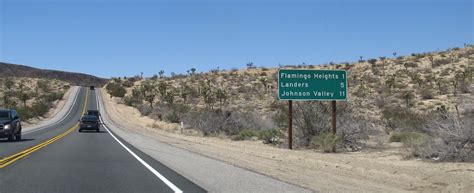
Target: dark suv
{"type": "Point", "coordinates": [93, 113]}
{"type": "Point", "coordinates": [10, 125]}
{"type": "Point", "coordinates": [89, 122]}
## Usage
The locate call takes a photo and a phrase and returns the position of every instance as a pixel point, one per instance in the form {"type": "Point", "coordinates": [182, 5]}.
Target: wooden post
{"type": "Point", "coordinates": [290, 124]}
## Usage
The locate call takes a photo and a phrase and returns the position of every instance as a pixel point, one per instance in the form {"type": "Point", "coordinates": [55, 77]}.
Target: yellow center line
{"type": "Point", "coordinates": [10, 159]}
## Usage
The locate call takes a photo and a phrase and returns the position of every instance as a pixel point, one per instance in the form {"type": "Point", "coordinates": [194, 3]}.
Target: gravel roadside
{"type": "Point", "coordinates": [209, 173]}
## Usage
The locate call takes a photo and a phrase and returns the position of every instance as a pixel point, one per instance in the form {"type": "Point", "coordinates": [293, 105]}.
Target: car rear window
{"type": "Point", "coordinates": [89, 118]}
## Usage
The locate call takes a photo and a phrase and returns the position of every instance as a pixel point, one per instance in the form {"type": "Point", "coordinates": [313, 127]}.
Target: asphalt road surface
{"type": "Point", "coordinates": [60, 159]}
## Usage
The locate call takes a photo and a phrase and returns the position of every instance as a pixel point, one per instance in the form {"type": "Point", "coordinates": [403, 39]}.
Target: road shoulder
{"type": "Point", "coordinates": [211, 174]}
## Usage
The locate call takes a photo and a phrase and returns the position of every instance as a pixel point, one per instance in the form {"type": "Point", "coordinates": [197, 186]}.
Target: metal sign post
{"type": "Point", "coordinates": [290, 124]}
{"type": "Point", "coordinates": [320, 85]}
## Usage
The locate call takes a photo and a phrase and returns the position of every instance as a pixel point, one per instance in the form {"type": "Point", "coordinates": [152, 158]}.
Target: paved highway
{"type": "Point", "coordinates": [58, 158]}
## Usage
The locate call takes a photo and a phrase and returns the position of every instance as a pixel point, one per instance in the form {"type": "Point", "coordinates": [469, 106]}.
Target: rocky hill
{"type": "Point", "coordinates": [393, 99]}
{"type": "Point", "coordinates": [15, 70]}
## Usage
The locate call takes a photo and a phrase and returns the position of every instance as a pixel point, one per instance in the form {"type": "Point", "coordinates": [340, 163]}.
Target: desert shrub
{"type": "Point", "coordinates": [115, 89]}
{"type": "Point", "coordinates": [452, 138]}
{"type": "Point", "coordinates": [406, 137]}
{"type": "Point", "coordinates": [132, 101]}
{"type": "Point", "coordinates": [39, 109]}
{"type": "Point", "coordinates": [464, 86]}
{"type": "Point", "coordinates": [209, 122]}
{"type": "Point", "coordinates": [372, 61]}
{"type": "Point", "coordinates": [426, 92]}
{"type": "Point", "coordinates": [128, 83]}
{"type": "Point", "coordinates": [54, 96]}
{"type": "Point", "coordinates": [280, 117]}
{"type": "Point", "coordinates": [25, 112]}
{"type": "Point", "coordinates": [402, 119]}
{"type": "Point", "coordinates": [245, 134]}
{"type": "Point", "coordinates": [174, 112]}
{"type": "Point", "coordinates": [440, 62]}
{"type": "Point", "coordinates": [313, 118]}
{"type": "Point", "coordinates": [270, 136]}
{"type": "Point", "coordinates": [411, 65]}
{"type": "Point", "coordinates": [145, 110]}
{"type": "Point", "coordinates": [326, 142]}
{"type": "Point", "coordinates": [213, 122]}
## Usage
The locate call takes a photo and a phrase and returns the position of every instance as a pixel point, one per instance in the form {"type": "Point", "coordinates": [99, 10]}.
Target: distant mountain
{"type": "Point", "coordinates": [15, 70]}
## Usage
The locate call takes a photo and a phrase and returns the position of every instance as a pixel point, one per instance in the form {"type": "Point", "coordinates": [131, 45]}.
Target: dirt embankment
{"type": "Point", "coordinates": [381, 170]}
{"type": "Point", "coordinates": [58, 106]}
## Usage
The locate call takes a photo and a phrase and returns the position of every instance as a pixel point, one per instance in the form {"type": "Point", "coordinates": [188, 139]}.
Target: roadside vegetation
{"type": "Point", "coordinates": [31, 97]}
{"type": "Point", "coordinates": [423, 101]}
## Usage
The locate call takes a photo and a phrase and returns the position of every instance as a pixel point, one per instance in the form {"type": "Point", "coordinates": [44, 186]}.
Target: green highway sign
{"type": "Point", "coordinates": [324, 85]}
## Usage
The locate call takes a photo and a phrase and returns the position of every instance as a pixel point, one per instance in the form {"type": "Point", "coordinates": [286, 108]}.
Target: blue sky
{"type": "Point", "coordinates": [124, 37]}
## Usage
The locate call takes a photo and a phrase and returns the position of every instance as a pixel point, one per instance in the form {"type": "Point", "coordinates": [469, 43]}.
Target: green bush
{"type": "Point", "coordinates": [127, 83]}
{"type": "Point", "coordinates": [244, 135]}
{"type": "Point", "coordinates": [326, 142]}
{"type": "Point", "coordinates": [40, 109]}
{"type": "Point", "coordinates": [402, 118]}
{"type": "Point", "coordinates": [131, 101]}
{"type": "Point", "coordinates": [406, 137]}
{"type": "Point", "coordinates": [115, 90]}
{"type": "Point", "coordinates": [270, 136]}
{"type": "Point", "coordinates": [25, 113]}
{"type": "Point", "coordinates": [51, 97]}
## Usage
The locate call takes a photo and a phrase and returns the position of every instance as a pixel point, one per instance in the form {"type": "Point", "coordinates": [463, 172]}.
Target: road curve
{"type": "Point", "coordinates": [84, 162]}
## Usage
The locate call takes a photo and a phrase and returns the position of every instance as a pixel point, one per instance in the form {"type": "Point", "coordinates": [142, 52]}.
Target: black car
{"type": "Point", "coordinates": [89, 122]}
{"type": "Point", "coordinates": [93, 113]}
{"type": "Point", "coordinates": [91, 87]}
{"type": "Point", "coordinates": [10, 125]}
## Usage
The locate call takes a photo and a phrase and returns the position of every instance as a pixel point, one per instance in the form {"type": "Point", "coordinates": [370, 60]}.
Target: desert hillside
{"type": "Point", "coordinates": [15, 70]}
{"type": "Point", "coordinates": [31, 97]}
{"type": "Point", "coordinates": [423, 100]}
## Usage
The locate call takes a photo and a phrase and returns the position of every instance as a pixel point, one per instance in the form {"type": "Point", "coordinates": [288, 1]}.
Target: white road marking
{"type": "Point", "coordinates": [151, 169]}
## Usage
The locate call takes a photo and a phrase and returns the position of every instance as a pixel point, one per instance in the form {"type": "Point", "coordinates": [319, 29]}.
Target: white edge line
{"type": "Point", "coordinates": [60, 120]}
{"type": "Point", "coordinates": [151, 169]}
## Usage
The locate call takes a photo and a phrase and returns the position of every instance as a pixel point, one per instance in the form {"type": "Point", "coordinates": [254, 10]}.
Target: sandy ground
{"type": "Point", "coordinates": [382, 170]}
{"type": "Point", "coordinates": [58, 111]}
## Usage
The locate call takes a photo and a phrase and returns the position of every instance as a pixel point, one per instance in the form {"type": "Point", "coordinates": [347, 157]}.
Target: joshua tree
{"type": "Point", "coordinates": [207, 94]}
{"type": "Point", "coordinates": [24, 96]}
{"type": "Point", "coordinates": [169, 97]}
{"type": "Point", "coordinates": [264, 82]}
{"type": "Point", "coordinates": [250, 65]}
{"type": "Point", "coordinates": [408, 96]}
{"type": "Point", "coordinates": [431, 58]}
{"type": "Point", "coordinates": [162, 89]}
{"type": "Point", "coordinates": [417, 78]}
{"type": "Point", "coordinates": [184, 92]}
{"type": "Point", "coordinates": [8, 84]}
{"type": "Point", "coordinates": [148, 92]}
{"type": "Point", "coordinates": [222, 96]}
{"type": "Point", "coordinates": [382, 59]}
{"type": "Point", "coordinates": [390, 82]}
{"type": "Point", "coordinates": [43, 85]}
{"type": "Point", "coordinates": [161, 73]}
